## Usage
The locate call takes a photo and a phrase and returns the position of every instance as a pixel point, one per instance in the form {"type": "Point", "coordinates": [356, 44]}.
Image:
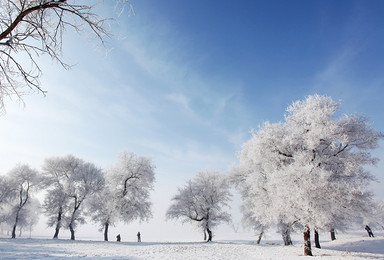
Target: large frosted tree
{"type": "Point", "coordinates": [202, 201]}
{"type": "Point", "coordinates": [70, 181]}
{"type": "Point", "coordinates": [57, 172]}
{"type": "Point", "coordinates": [22, 180]}
{"type": "Point", "coordinates": [87, 181]}
{"type": "Point", "coordinates": [126, 195]}
{"type": "Point", "coordinates": [311, 167]}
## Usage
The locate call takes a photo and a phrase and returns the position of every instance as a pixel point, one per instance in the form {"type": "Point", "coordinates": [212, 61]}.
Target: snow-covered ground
{"type": "Point", "coordinates": [350, 246]}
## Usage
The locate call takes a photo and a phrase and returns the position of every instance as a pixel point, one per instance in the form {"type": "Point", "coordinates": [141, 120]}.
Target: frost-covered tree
{"type": "Point", "coordinates": [126, 195]}
{"type": "Point", "coordinates": [252, 198]}
{"type": "Point", "coordinates": [202, 201]}
{"type": "Point", "coordinates": [69, 182]}
{"type": "Point", "coordinates": [311, 167]}
{"type": "Point", "coordinates": [31, 28]}
{"type": "Point", "coordinates": [104, 210]}
{"type": "Point", "coordinates": [57, 175]}
{"type": "Point", "coordinates": [29, 216]}
{"type": "Point", "coordinates": [22, 180]}
{"type": "Point", "coordinates": [55, 206]}
{"type": "Point", "coordinates": [87, 181]}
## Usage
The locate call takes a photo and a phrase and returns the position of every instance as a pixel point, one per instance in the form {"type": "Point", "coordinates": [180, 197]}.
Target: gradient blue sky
{"type": "Point", "coordinates": [184, 82]}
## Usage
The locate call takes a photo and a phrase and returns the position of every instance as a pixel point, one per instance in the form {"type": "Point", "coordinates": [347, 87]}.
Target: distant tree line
{"type": "Point", "coordinates": [75, 189]}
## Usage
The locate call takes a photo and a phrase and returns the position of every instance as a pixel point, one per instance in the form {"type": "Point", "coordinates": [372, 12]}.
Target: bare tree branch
{"type": "Point", "coordinates": [31, 28]}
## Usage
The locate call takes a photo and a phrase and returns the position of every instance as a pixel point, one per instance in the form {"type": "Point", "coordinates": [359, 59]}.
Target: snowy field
{"type": "Point", "coordinates": [346, 247]}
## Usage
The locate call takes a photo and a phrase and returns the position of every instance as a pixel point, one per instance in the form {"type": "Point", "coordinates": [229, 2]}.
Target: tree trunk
{"type": "Point", "coordinates": [77, 203]}
{"type": "Point", "coordinates": [286, 234]}
{"type": "Point", "coordinates": [317, 242]}
{"type": "Point", "coordinates": [285, 231]}
{"type": "Point", "coordinates": [15, 225]}
{"type": "Point", "coordinates": [58, 225]}
{"type": "Point", "coordinates": [209, 235]}
{"type": "Point", "coordinates": [333, 236]}
{"type": "Point", "coordinates": [259, 238]}
{"type": "Point", "coordinates": [14, 231]}
{"type": "Point", "coordinates": [72, 232]}
{"type": "Point", "coordinates": [307, 241]}
{"type": "Point", "coordinates": [106, 226]}
{"type": "Point", "coordinates": [57, 230]}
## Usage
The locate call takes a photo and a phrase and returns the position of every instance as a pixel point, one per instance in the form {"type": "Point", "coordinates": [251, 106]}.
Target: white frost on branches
{"type": "Point", "coordinates": [308, 170]}
{"type": "Point", "coordinates": [20, 181]}
{"type": "Point", "coordinates": [126, 195]}
{"type": "Point", "coordinates": [70, 182]}
{"type": "Point", "coordinates": [202, 201]}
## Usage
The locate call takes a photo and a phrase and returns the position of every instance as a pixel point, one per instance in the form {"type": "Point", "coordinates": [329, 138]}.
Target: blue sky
{"type": "Point", "coordinates": [184, 82]}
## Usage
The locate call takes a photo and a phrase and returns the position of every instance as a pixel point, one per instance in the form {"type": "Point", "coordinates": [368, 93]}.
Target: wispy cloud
{"type": "Point", "coordinates": [181, 100]}
{"type": "Point", "coordinates": [335, 73]}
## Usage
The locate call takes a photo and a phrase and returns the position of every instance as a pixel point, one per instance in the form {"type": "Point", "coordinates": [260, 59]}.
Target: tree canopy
{"type": "Point", "coordinates": [308, 170]}
{"type": "Point", "coordinates": [202, 201]}
{"type": "Point", "coordinates": [126, 195]}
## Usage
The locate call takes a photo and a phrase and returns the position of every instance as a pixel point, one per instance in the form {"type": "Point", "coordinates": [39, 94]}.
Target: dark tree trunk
{"type": "Point", "coordinates": [333, 236]}
{"type": "Point", "coordinates": [209, 235]}
{"type": "Point", "coordinates": [57, 230]}
{"type": "Point", "coordinates": [14, 231]}
{"type": "Point", "coordinates": [259, 238]}
{"type": "Point", "coordinates": [58, 226]}
{"type": "Point", "coordinates": [307, 241]}
{"type": "Point", "coordinates": [317, 241]}
{"type": "Point", "coordinates": [72, 232]}
{"type": "Point", "coordinates": [15, 225]}
{"type": "Point", "coordinates": [77, 203]}
{"type": "Point", "coordinates": [106, 226]}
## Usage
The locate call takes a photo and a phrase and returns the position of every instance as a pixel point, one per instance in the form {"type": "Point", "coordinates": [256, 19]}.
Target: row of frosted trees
{"type": "Point", "coordinates": [306, 173]}
{"type": "Point", "coordinates": [75, 189]}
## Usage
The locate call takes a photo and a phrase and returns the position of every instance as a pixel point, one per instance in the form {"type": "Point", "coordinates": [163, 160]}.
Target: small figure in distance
{"type": "Point", "coordinates": [369, 230]}
{"type": "Point", "coordinates": [138, 237]}
{"type": "Point", "coordinates": [118, 238]}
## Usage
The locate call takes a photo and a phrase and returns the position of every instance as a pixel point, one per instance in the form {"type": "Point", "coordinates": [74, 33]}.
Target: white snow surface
{"type": "Point", "coordinates": [346, 247]}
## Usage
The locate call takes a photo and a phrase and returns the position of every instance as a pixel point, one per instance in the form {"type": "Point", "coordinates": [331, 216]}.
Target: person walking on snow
{"type": "Point", "coordinates": [138, 237]}
{"type": "Point", "coordinates": [369, 230]}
